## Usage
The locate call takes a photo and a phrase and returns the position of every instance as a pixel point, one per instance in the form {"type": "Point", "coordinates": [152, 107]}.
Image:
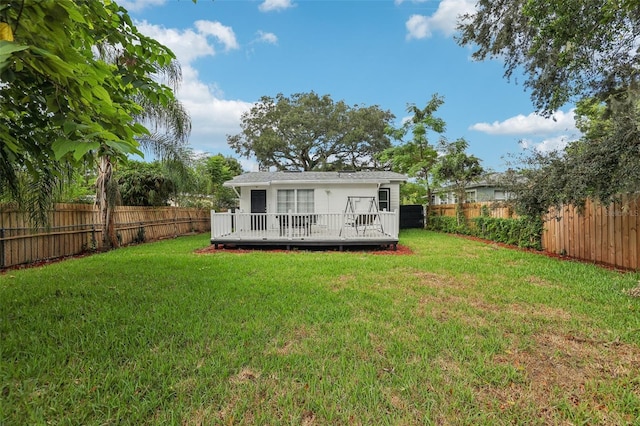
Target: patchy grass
{"type": "Point", "coordinates": [459, 332]}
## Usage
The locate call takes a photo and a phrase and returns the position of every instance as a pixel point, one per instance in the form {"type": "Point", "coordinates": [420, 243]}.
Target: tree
{"type": "Point", "coordinates": [60, 101]}
{"type": "Point", "coordinates": [416, 157]}
{"type": "Point", "coordinates": [568, 49]}
{"type": "Point", "coordinates": [172, 126]}
{"type": "Point", "coordinates": [143, 184]}
{"type": "Point", "coordinates": [311, 132]}
{"type": "Point", "coordinates": [459, 169]}
{"type": "Point", "coordinates": [203, 185]}
{"type": "Point", "coordinates": [601, 165]}
{"type": "Point", "coordinates": [412, 193]}
{"type": "Point", "coordinates": [220, 169]}
{"type": "Point", "coordinates": [571, 51]}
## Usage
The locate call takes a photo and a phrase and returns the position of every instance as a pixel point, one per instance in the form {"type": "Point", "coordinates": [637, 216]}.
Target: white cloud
{"type": "Point", "coordinates": [538, 133]}
{"type": "Point", "coordinates": [444, 19]}
{"type": "Point", "coordinates": [269, 38]}
{"type": "Point", "coordinates": [271, 5]}
{"type": "Point", "coordinates": [399, 2]}
{"type": "Point", "coordinates": [223, 33]}
{"type": "Point", "coordinates": [212, 116]}
{"type": "Point", "coordinates": [556, 143]}
{"type": "Point", "coordinates": [532, 124]}
{"type": "Point", "coordinates": [186, 44]}
{"type": "Point", "coordinates": [138, 5]}
{"type": "Point", "coordinates": [418, 27]}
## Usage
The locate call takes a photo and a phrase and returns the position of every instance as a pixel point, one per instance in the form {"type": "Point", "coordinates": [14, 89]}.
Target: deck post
{"type": "Point", "coordinates": [213, 224]}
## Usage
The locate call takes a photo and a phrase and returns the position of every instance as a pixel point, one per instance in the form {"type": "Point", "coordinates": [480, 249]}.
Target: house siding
{"type": "Point", "coordinates": [327, 198]}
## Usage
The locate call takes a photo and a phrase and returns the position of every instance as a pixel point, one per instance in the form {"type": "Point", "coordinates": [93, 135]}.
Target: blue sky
{"type": "Point", "coordinates": [366, 52]}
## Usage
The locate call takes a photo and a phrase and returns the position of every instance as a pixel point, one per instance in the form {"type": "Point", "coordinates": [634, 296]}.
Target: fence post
{"type": "Point", "coordinates": [1, 248]}
{"type": "Point", "coordinates": [94, 243]}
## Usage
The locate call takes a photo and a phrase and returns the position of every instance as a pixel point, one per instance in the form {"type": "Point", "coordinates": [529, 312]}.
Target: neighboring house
{"type": "Point", "coordinates": [303, 208]}
{"type": "Point", "coordinates": [484, 190]}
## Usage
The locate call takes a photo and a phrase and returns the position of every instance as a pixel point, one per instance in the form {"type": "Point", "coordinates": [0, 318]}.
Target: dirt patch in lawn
{"type": "Point", "coordinates": [562, 369]}
{"type": "Point", "coordinates": [633, 292]}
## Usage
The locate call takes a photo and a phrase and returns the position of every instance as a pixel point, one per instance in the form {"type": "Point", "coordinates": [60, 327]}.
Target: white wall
{"type": "Point", "coordinates": [328, 198]}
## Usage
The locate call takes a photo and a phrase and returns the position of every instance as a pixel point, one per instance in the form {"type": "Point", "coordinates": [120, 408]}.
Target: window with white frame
{"type": "Point", "coordinates": [384, 199]}
{"type": "Point", "coordinates": [470, 196]}
{"type": "Point", "coordinates": [499, 195]}
{"type": "Point", "coordinates": [304, 202]}
{"type": "Point", "coordinates": [295, 200]}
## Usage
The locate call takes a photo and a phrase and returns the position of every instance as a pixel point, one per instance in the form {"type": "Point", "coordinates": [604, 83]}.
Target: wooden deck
{"type": "Point", "coordinates": [308, 230]}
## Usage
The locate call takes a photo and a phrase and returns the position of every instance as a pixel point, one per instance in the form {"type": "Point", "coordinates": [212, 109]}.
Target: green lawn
{"type": "Point", "coordinates": [459, 332]}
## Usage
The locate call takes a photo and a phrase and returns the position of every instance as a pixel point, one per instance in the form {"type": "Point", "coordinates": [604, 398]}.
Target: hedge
{"type": "Point", "coordinates": [522, 232]}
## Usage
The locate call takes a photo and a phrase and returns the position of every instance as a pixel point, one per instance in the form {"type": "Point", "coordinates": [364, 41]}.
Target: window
{"type": "Point", "coordinates": [384, 199]}
{"type": "Point", "coordinates": [295, 200]}
{"type": "Point", "coordinates": [470, 196]}
{"type": "Point", "coordinates": [305, 201]}
{"type": "Point", "coordinates": [498, 195]}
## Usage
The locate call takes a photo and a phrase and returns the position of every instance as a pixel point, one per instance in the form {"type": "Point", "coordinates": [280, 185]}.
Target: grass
{"type": "Point", "coordinates": [459, 332]}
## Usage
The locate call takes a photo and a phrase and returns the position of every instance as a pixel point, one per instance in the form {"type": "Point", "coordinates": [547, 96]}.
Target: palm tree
{"type": "Point", "coordinates": [171, 127]}
{"type": "Point", "coordinates": [60, 102]}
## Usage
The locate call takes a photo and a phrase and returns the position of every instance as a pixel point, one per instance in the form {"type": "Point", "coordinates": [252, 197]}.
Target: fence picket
{"type": "Point", "coordinates": [74, 229]}
{"type": "Point", "coordinates": [603, 234]}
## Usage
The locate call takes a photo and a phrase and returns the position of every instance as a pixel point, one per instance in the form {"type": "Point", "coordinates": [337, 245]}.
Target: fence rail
{"type": "Point", "coordinates": [472, 210]}
{"type": "Point", "coordinates": [607, 234]}
{"type": "Point", "coordinates": [600, 233]}
{"type": "Point", "coordinates": [74, 229]}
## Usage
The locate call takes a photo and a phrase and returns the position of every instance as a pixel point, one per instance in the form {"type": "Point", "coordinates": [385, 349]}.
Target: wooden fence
{"type": "Point", "coordinates": [472, 210]}
{"type": "Point", "coordinates": [599, 233]}
{"type": "Point", "coordinates": [74, 229]}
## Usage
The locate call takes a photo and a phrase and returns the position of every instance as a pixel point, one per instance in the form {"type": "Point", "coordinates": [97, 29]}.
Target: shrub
{"type": "Point", "coordinates": [448, 224]}
{"type": "Point", "coordinates": [523, 232]}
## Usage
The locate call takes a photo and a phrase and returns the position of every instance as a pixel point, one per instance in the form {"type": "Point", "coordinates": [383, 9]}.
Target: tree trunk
{"type": "Point", "coordinates": [105, 200]}
{"type": "Point", "coordinates": [460, 217]}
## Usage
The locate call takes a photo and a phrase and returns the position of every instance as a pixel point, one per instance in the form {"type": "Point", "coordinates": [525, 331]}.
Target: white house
{"type": "Point", "coordinates": [488, 189]}
{"type": "Point", "coordinates": [306, 208]}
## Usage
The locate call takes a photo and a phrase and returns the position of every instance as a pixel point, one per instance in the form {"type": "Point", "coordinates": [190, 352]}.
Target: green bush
{"type": "Point", "coordinates": [448, 224]}
{"type": "Point", "coordinates": [523, 232]}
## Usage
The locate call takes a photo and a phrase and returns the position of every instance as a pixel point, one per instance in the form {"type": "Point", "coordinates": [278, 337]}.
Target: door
{"type": "Point", "coordinates": [258, 205]}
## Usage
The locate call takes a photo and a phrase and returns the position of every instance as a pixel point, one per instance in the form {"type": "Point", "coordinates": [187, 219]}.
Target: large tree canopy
{"type": "Point", "coordinates": [417, 156]}
{"type": "Point", "coordinates": [568, 49]}
{"type": "Point", "coordinates": [458, 169]}
{"type": "Point", "coordinates": [144, 184]}
{"type": "Point", "coordinates": [311, 132]}
{"type": "Point", "coordinates": [59, 98]}
{"type": "Point", "coordinates": [587, 52]}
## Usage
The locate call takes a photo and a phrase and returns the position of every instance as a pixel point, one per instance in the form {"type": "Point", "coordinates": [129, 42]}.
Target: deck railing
{"type": "Point", "coordinates": [304, 226]}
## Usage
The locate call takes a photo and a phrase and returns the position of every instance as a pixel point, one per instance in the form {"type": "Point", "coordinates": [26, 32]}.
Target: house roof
{"type": "Point", "coordinates": [338, 178]}
{"type": "Point", "coordinates": [489, 180]}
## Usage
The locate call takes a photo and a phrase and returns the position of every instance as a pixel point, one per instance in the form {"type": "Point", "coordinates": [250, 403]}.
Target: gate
{"type": "Point", "coordinates": [412, 216]}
